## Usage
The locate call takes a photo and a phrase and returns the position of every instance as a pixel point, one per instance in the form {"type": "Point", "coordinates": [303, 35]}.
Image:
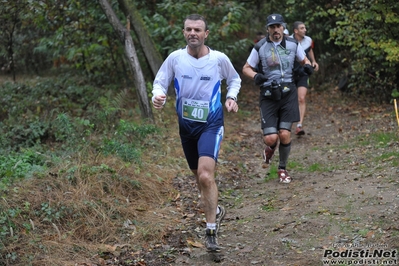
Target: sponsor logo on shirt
{"type": "Point", "coordinates": [186, 77]}
{"type": "Point", "coordinates": [207, 78]}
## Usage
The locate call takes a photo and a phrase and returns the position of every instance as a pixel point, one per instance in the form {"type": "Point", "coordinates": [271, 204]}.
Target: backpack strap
{"type": "Point", "coordinates": [260, 43]}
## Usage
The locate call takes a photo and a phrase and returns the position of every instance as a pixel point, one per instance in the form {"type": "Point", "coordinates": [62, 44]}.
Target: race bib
{"type": "Point", "coordinates": [195, 110]}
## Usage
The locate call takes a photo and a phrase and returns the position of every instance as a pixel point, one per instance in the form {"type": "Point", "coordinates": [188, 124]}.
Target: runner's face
{"type": "Point", "coordinates": [276, 32]}
{"type": "Point", "coordinates": [302, 30]}
{"type": "Point", "coordinates": [195, 33]}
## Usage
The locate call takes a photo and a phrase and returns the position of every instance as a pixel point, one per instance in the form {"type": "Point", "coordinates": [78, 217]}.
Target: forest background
{"type": "Point", "coordinates": [75, 117]}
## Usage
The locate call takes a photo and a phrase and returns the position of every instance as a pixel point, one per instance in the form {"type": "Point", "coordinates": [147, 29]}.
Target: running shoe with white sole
{"type": "Point", "coordinates": [283, 176]}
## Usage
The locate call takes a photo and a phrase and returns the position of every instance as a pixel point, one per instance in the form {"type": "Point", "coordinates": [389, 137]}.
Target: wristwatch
{"type": "Point", "coordinates": [232, 97]}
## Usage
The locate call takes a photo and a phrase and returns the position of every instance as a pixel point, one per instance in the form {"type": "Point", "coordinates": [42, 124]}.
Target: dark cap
{"type": "Point", "coordinates": [275, 19]}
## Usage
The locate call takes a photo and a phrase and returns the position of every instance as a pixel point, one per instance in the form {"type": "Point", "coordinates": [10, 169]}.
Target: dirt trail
{"type": "Point", "coordinates": [345, 190]}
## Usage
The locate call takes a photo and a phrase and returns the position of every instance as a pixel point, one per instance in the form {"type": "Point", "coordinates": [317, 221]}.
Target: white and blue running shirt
{"type": "Point", "coordinates": [197, 85]}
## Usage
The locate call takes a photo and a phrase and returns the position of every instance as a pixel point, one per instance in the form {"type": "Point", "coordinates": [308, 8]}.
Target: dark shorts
{"type": "Point", "coordinates": [302, 81]}
{"type": "Point", "coordinates": [301, 78]}
{"type": "Point", "coordinates": [208, 144]}
{"type": "Point", "coordinates": [276, 115]}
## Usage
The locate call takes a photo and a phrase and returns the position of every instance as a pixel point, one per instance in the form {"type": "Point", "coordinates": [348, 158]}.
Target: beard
{"type": "Point", "coordinates": [276, 37]}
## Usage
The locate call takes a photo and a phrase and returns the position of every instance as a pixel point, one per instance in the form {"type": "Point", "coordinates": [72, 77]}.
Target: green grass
{"type": "Point", "coordinates": [318, 167]}
{"type": "Point", "coordinates": [314, 167]}
{"type": "Point", "coordinates": [268, 206]}
{"type": "Point", "coordinates": [293, 164]}
{"type": "Point", "coordinates": [378, 139]}
{"type": "Point", "coordinates": [272, 173]}
{"type": "Point", "coordinates": [391, 156]}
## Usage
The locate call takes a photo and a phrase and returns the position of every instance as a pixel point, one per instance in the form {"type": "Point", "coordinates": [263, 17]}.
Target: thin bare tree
{"type": "Point", "coordinates": [153, 57]}
{"type": "Point", "coordinates": [131, 55]}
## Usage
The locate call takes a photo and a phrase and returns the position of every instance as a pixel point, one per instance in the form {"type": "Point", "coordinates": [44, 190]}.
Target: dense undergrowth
{"type": "Point", "coordinates": [74, 172]}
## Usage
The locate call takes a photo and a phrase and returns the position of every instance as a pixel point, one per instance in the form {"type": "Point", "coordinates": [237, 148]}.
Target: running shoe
{"type": "Point", "coordinates": [299, 131]}
{"type": "Point", "coordinates": [211, 240]}
{"type": "Point", "coordinates": [283, 176]}
{"type": "Point", "coordinates": [268, 154]}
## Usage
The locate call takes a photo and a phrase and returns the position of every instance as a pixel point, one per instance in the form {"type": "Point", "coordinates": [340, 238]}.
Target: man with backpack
{"type": "Point", "coordinates": [271, 64]}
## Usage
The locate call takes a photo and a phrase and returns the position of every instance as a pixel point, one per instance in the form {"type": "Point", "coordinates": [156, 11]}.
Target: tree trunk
{"type": "Point", "coordinates": [153, 57]}
{"type": "Point", "coordinates": [131, 55]}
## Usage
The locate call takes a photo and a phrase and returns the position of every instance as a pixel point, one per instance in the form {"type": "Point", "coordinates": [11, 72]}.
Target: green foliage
{"type": "Point", "coordinates": [370, 36]}
{"type": "Point", "coordinates": [354, 39]}
{"type": "Point", "coordinates": [64, 113]}
{"type": "Point", "coordinates": [50, 213]}
{"type": "Point", "coordinates": [63, 127]}
{"type": "Point", "coordinates": [33, 113]}
{"type": "Point", "coordinates": [224, 22]}
{"type": "Point", "coordinates": [25, 164]}
{"type": "Point", "coordinates": [72, 34]}
{"type": "Point", "coordinates": [126, 141]}
{"type": "Point", "coordinates": [126, 151]}
{"type": "Point", "coordinates": [7, 227]}
{"type": "Point", "coordinates": [48, 118]}
{"type": "Point", "coordinates": [6, 220]}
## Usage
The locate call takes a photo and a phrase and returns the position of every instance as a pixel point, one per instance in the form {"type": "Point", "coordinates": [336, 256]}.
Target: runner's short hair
{"type": "Point", "coordinates": [297, 23]}
{"type": "Point", "coordinates": [196, 17]}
